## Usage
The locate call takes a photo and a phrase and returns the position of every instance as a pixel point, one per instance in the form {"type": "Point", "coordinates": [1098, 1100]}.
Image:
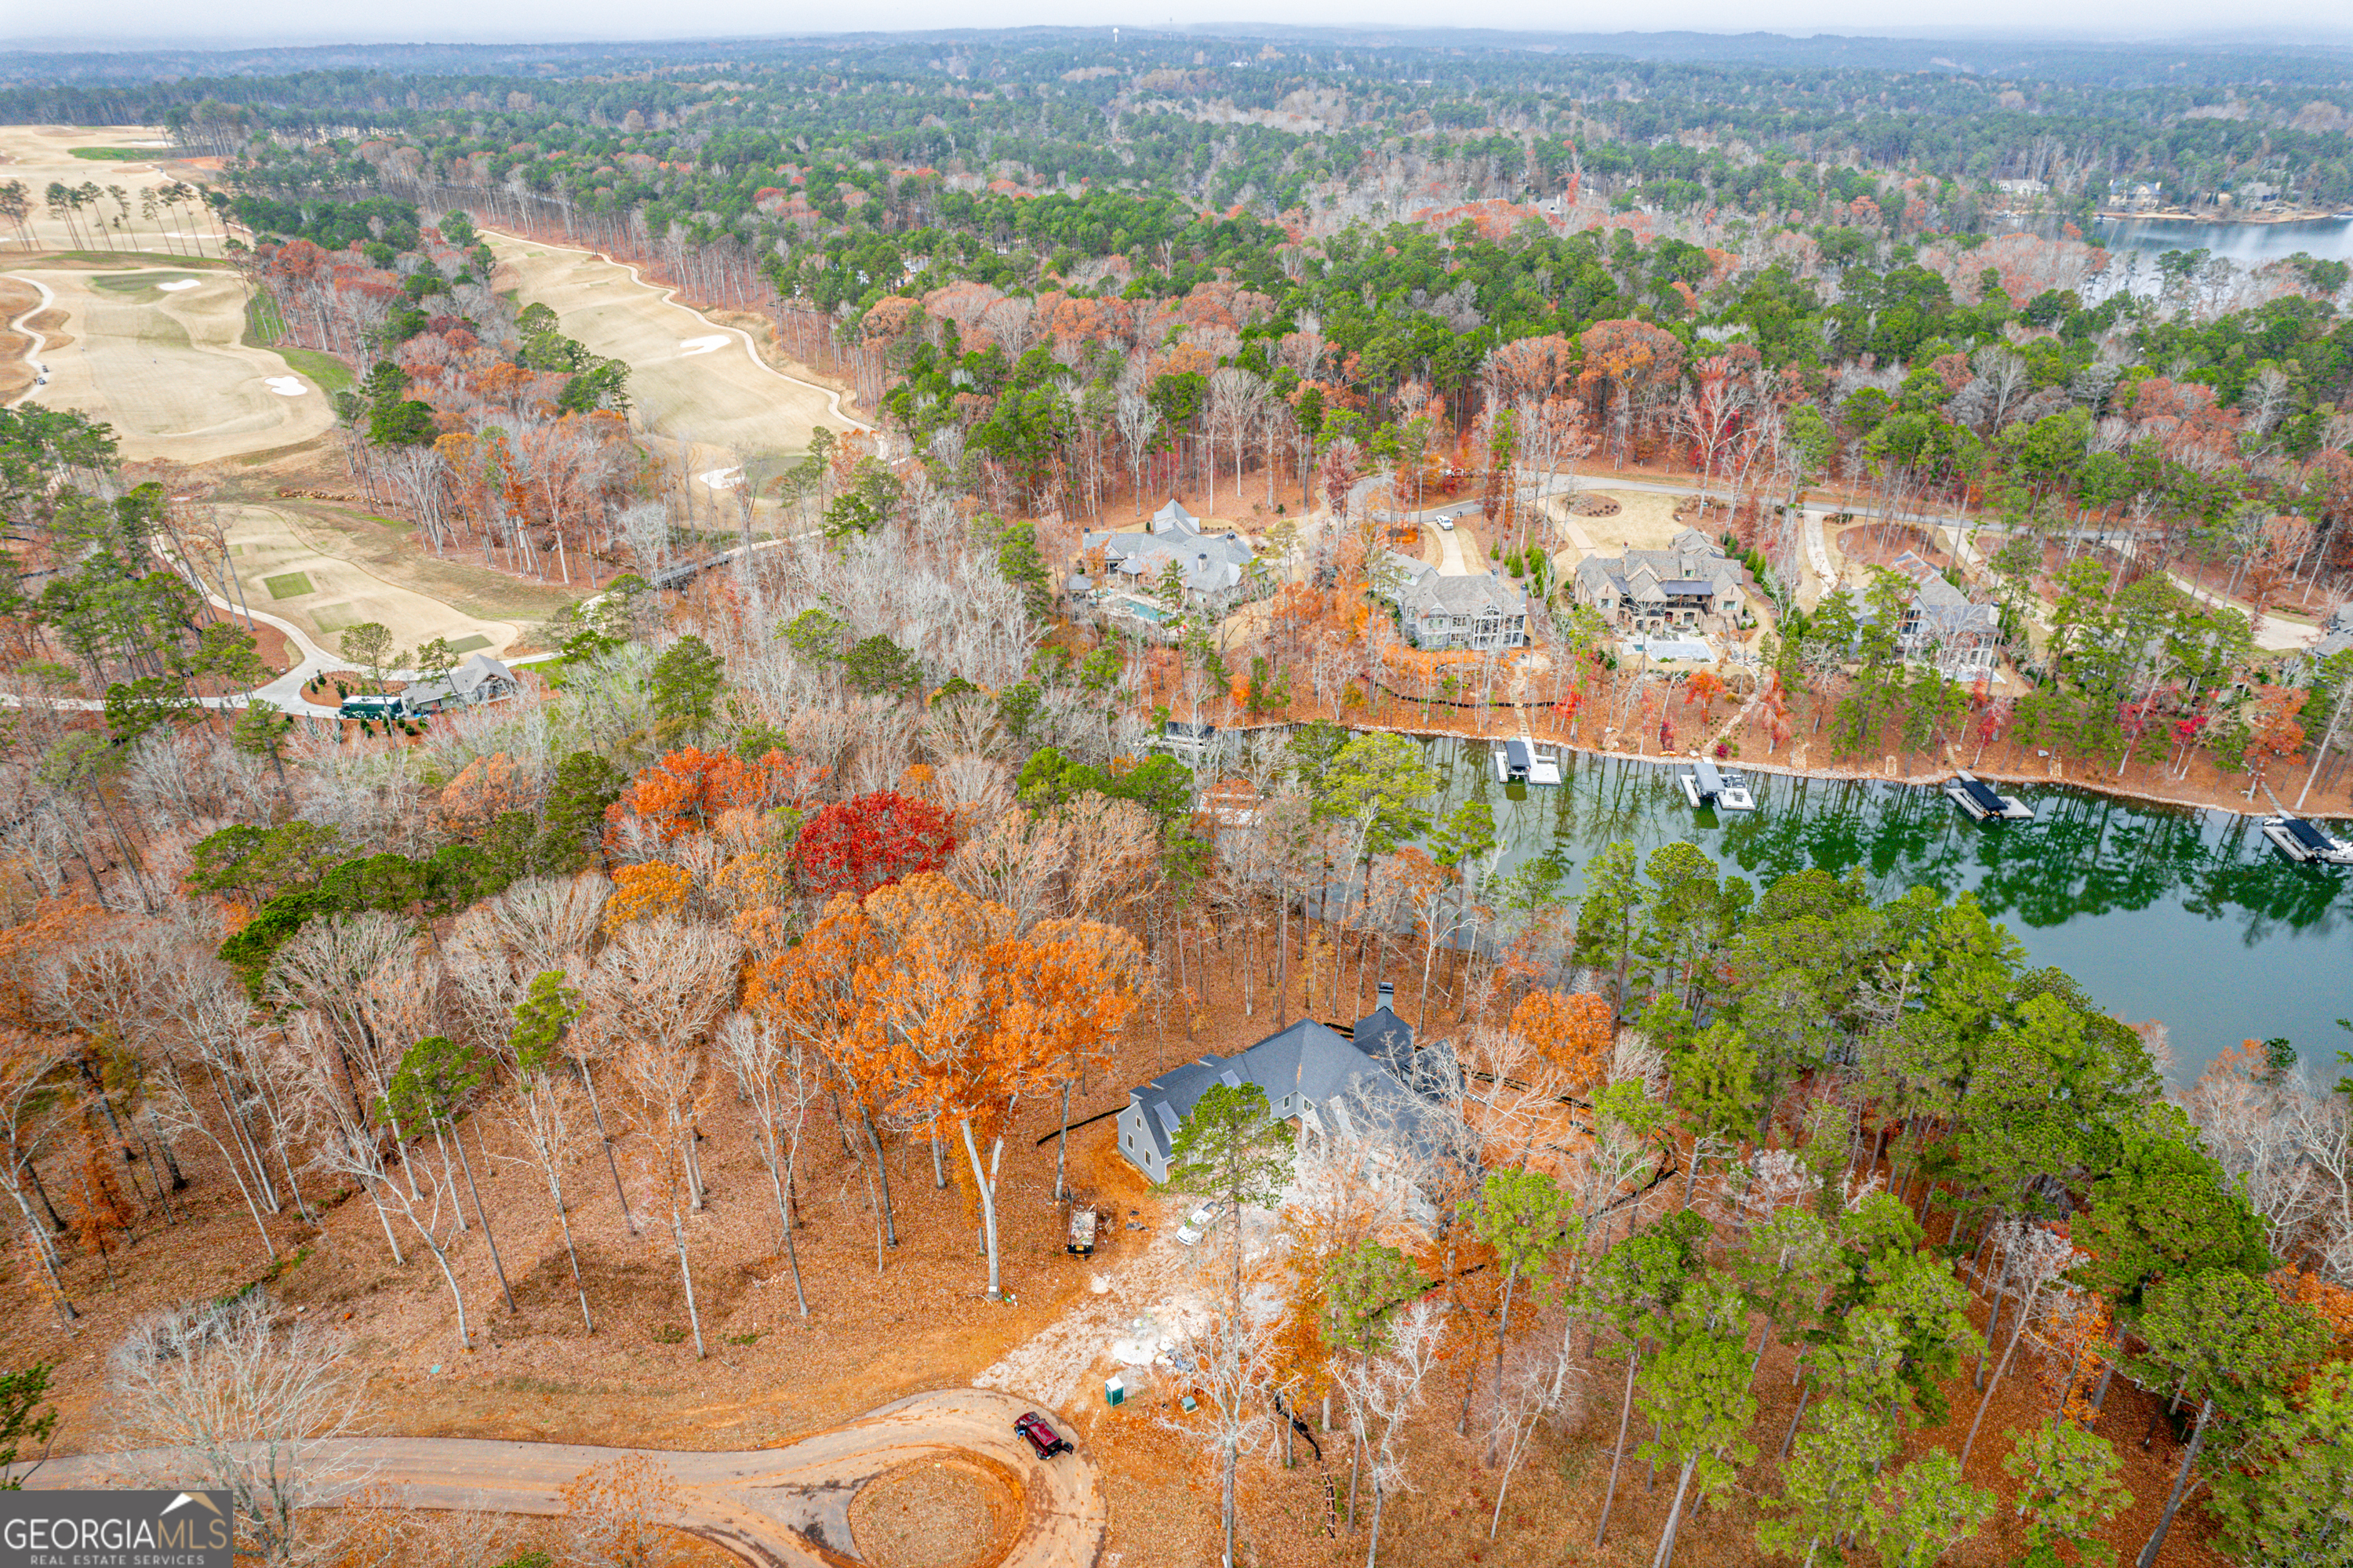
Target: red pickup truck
{"type": "Point", "coordinates": [1041, 1437]}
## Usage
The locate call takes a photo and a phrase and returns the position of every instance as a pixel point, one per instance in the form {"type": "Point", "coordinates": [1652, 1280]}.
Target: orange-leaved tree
{"type": "Point", "coordinates": [945, 1017]}
{"type": "Point", "coordinates": [816, 991]}
{"type": "Point", "coordinates": [1073, 984]}
{"type": "Point", "coordinates": [688, 789]}
{"type": "Point", "coordinates": [2272, 730]}
{"type": "Point", "coordinates": [926, 1031]}
{"type": "Point", "coordinates": [1573, 1034]}
{"type": "Point", "coordinates": [645, 891]}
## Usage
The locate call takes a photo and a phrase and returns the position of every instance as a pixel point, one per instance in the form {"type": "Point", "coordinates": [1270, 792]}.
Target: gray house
{"type": "Point", "coordinates": [1480, 611]}
{"type": "Point", "coordinates": [480, 679]}
{"type": "Point", "coordinates": [1214, 566]}
{"type": "Point", "coordinates": [1308, 1070]}
{"type": "Point", "coordinates": [1656, 590]}
{"type": "Point", "coordinates": [1943, 625]}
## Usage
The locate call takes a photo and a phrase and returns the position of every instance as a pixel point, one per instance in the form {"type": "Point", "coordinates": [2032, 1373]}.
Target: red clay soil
{"type": "Point", "coordinates": [2199, 783]}
{"type": "Point", "coordinates": [918, 1323]}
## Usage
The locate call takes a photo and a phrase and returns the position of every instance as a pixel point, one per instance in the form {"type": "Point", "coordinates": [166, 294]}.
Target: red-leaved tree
{"type": "Point", "coordinates": [871, 842]}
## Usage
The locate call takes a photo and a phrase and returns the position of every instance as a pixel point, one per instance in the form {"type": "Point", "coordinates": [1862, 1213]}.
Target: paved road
{"type": "Point", "coordinates": [771, 1507]}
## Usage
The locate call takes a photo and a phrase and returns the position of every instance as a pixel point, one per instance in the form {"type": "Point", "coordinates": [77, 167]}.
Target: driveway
{"type": "Point", "coordinates": [771, 1507]}
{"type": "Point", "coordinates": [1451, 563]}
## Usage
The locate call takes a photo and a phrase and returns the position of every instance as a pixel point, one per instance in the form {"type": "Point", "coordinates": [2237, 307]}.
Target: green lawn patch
{"type": "Point", "coordinates": [263, 325]}
{"type": "Point", "coordinates": [120, 154]}
{"type": "Point", "coordinates": [134, 257]}
{"type": "Point", "coordinates": [335, 617]}
{"type": "Point", "coordinates": [287, 585]}
{"type": "Point", "coordinates": [469, 644]}
{"type": "Point", "coordinates": [331, 374]}
{"type": "Point", "coordinates": [138, 282]}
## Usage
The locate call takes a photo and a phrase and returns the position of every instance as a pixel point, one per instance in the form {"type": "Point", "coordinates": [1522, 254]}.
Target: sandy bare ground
{"type": "Point", "coordinates": [787, 1507]}
{"type": "Point", "coordinates": [1644, 521]}
{"type": "Point", "coordinates": [39, 154]}
{"type": "Point", "coordinates": [692, 380]}
{"type": "Point", "coordinates": [155, 352]}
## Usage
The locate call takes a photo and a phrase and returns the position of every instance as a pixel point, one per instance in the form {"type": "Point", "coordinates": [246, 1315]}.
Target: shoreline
{"type": "Point", "coordinates": [2267, 219]}
{"type": "Point", "coordinates": [1833, 775]}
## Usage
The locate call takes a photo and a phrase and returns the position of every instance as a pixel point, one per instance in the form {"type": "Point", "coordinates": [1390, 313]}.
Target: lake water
{"type": "Point", "coordinates": [2162, 912]}
{"type": "Point", "coordinates": [2248, 244]}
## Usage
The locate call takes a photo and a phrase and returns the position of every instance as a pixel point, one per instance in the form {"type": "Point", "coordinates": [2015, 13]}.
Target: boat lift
{"type": "Point", "coordinates": [1984, 802]}
{"type": "Point", "coordinates": [1725, 788]}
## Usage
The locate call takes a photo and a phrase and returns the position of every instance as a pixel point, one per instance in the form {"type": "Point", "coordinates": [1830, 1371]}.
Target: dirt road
{"type": "Point", "coordinates": [773, 1508]}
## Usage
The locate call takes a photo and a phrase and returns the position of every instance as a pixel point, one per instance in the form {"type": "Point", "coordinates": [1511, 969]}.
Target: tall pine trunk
{"type": "Point", "coordinates": [1618, 1456]}
{"type": "Point", "coordinates": [2180, 1484]}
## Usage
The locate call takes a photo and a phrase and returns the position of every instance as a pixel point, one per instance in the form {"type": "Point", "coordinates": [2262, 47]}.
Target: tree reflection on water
{"type": "Point", "coordinates": [2092, 878]}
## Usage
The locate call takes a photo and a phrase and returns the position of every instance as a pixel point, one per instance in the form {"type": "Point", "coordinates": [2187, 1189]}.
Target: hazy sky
{"type": "Point", "coordinates": [134, 22]}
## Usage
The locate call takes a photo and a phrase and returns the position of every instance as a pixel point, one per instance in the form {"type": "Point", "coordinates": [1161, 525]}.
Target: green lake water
{"type": "Point", "coordinates": [2162, 912]}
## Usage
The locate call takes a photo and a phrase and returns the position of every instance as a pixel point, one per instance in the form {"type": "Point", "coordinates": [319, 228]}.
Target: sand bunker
{"type": "Point", "coordinates": [168, 372]}
{"type": "Point", "coordinates": [177, 284]}
{"type": "Point", "coordinates": [722, 478]}
{"type": "Point", "coordinates": [688, 383]}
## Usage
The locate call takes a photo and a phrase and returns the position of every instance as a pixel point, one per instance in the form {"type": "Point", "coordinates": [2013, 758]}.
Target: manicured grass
{"type": "Point", "coordinates": [287, 585]}
{"type": "Point", "coordinates": [136, 282]}
{"type": "Point", "coordinates": [122, 257]}
{"type": "Point", "coordinates": [331, 374]}
{"type": "Point", "coordinates": [469, 644]}
{"type": "Point", "coordinates": [335, 617]}
{"type": "Point", "coordinates": [263, 325]}
{"type": "Point", "coordinates": [120, 154]}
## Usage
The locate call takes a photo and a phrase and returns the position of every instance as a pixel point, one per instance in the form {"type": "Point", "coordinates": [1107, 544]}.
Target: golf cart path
{"type": "Point", "coordinates": [771, 1507]}
{"type": "Point", "coordinates": [37, 342]}
{"type": "Point", "coordinates": [669, 296]}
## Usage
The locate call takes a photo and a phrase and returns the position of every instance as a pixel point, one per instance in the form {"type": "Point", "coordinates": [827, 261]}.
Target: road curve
{"type": "Point", "coordinates": [773, 1508]}
{"type": "Point", "coordinates": [36, 345]}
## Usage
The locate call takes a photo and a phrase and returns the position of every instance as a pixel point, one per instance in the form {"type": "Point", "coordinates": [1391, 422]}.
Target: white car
{"type": "Point", "coordinates": [1445, 523]}
{"type": "Point", "coordinates": [1197, 1224]}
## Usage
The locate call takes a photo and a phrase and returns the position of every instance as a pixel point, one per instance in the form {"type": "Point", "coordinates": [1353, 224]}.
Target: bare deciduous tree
{"type": "Point", "coordinates": [780, 1085]}
{"type": "Point", "coordinates": [228, 1396]}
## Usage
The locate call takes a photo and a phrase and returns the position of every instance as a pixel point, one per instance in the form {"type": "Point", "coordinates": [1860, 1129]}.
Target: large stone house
{"type": "Point", "coordinates": [1310, 1072]}
{"type": "Point", "coordinates": [1681, 586]}
{"type": "Point", "coordinates": [1214, 566]}
{"type": "Point", "coordinates": [1479, 610]}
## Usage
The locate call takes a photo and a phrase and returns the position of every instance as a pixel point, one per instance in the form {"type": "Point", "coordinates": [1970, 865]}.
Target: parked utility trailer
{"type": "Point", "coordinates": [1084, 1222]}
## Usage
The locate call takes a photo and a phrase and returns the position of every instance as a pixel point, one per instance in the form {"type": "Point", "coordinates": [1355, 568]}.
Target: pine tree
{"type": "Point", "coordinates": [2067, 1491]}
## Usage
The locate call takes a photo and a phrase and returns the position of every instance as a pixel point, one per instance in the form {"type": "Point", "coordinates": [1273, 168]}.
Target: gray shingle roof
{"type": "Point", "coordinates": [1212, 563]}
{"type": "Point", "coordinates": [1307, 1061]}
{"type": "Point", "coordinates": [466, 682]}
